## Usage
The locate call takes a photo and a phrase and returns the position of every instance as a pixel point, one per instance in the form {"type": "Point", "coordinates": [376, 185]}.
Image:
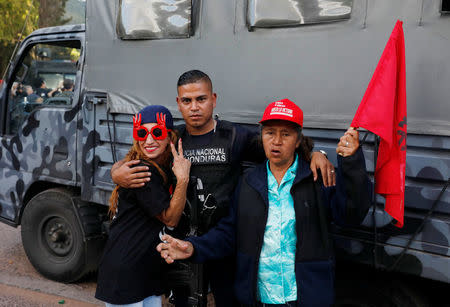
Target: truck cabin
{"type": "Point", "coordinates": [46, 77]}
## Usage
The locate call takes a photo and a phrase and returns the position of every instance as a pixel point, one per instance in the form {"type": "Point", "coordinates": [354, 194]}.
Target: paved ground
{"type": "Point", "coordinates": [14, 296]}
{"type": "Point", "coordinates": [22, 286]}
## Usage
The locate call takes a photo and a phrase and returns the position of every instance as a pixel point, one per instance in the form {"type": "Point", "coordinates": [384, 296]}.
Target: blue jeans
{"type": "Point", "coordinates": [151, 301]}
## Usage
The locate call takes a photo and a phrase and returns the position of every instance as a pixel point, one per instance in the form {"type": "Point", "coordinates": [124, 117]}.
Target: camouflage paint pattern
{"type": "Point", "coordinates": [43, 151]}
{"type": "Point", "coordinates": [45, 148]}
{"type": "Point", "coordinates": [427, 170]}
{"type": "Point", "coordinates": [72, 146]}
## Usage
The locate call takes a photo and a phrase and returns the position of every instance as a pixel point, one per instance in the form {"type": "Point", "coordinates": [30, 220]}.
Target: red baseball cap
{"type": "Point", "coordinates": [283, 110]}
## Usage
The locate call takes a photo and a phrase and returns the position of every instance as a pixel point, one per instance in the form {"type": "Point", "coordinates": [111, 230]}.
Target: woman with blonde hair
{"type": "Point", "coordinates": [131, 271]}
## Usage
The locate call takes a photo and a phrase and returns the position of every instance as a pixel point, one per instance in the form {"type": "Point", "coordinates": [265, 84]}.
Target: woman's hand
{"type": "Point", "coordinates": [348, 143]}
{"type": "Point", "coordinates": [181, 166]}
{"type": "Point", "coordinates": [173, 249]}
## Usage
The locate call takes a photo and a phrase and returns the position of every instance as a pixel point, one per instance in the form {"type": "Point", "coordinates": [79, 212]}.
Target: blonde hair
{"type": "Point", "coordinates": [135, 153]}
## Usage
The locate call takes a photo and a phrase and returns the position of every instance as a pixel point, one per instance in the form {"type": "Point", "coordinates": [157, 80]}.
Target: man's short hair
{"type": "Point", "coordinates": [193, 76]}
{"type": "Point", "coordinates": [38, 82]}
{"type": "Point", "coordinates": [67, 84]}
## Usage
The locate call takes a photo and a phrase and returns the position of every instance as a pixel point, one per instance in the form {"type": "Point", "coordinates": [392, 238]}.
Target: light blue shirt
{"type": "Point", "coordinates": [276, 271]}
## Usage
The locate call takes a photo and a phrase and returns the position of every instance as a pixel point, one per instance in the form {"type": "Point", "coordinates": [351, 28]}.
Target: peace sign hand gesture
{"type": "Point", "coordinates": [181, 166]}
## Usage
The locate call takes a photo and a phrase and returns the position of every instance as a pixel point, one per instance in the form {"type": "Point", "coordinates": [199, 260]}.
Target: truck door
{"type": "Point", "coordinates": [105, 139]}
{"type": "Point", "coordinates": [38, 131]}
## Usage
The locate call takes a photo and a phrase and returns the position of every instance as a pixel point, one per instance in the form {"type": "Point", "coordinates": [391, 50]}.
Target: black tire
{"type": "Point", "coordinates": [52, 236]}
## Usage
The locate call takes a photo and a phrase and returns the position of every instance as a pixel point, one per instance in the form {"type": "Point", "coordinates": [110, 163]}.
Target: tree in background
{"type": "Point", "coordinates": [14, 14]}
{"type": "Point", "coordinates": [26, 15]}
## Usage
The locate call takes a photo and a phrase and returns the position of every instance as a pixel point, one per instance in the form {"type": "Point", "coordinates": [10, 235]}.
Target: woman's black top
{"type": "Point", "coordinates": [131, 269]}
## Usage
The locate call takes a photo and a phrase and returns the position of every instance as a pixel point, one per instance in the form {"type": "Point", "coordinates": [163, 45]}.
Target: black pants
{"type": "Point", "coordinates": [220, 275]}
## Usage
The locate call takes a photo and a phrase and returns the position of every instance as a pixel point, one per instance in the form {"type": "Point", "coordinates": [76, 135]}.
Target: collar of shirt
{"type": "Point", "coordinates": [288, 176]}
{"type": "Point", "coordinates": [276, 272]}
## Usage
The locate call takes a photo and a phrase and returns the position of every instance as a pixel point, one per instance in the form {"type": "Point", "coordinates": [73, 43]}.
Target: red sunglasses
{"type": "Point", "coordinates": [158, 132]}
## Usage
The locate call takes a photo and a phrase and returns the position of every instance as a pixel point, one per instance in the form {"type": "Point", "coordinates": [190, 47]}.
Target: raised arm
{"type": "Point", "coordinates": [351, 199]}
{"type": "Point", "coordinates": [181, 167]}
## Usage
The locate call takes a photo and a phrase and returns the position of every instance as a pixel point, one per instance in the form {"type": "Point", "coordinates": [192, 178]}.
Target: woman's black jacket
{"type": "Point", "coordinates": [242, 231]}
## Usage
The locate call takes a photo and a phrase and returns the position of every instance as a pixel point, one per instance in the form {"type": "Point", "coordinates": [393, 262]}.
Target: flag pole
{"type": "Point", "coordinates": [374, 206]}
{"type": "Point", "coordinates": [374, 202]}
{"type": "Point", "coordinates": [419, 229]}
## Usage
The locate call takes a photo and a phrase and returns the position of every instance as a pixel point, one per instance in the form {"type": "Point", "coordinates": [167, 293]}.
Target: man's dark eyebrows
{"type": "Point", "coordinates": [185, 99]}
{"type": "Point", "coordinates": [201, 97]}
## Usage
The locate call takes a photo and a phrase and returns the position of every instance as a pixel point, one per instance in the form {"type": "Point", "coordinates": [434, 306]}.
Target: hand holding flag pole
{"type": "Point", "coordinates": [383, 112]}
{"type": "Point", "coordinates": [348, 143]}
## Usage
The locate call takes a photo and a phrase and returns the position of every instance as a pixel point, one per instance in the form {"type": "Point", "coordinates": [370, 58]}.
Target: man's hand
{"type": "Point", "coordinates": [126, 176]}
{"type": "Point", "coordinates": [319, 161]}
{"type": "Point", "coordinates": [173, 249]}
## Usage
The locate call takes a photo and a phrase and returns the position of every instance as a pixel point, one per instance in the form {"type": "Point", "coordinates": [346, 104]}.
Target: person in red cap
{"type": "Point", "coordinates": [277, 227]}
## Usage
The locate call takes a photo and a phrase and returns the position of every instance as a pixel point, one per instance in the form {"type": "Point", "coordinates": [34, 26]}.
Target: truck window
{"type": "Point", "coordinates": [45, 77]}
{"type": "Point", "coordinates": [288, 13]}
{"type": "Point", "coordinates": [154, 19]}
{"type": "Point", "coordinates": [445, 6]}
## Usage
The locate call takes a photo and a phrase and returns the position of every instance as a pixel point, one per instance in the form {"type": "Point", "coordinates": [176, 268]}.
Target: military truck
{"type": "Point", "coordinates": [56, 155]}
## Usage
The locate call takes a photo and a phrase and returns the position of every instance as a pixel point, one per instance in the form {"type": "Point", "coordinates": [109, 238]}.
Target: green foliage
{"type": "Point", "coordinates": [29, 15]}
{"type": "Point", "coordinates": [14, 13]}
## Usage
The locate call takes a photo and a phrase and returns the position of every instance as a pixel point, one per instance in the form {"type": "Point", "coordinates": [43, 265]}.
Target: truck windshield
{"type": "Point", "coordinates": [46, 77]}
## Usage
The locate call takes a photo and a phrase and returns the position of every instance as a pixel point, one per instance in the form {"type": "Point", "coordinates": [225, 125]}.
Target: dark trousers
{"type": "Point", "coordinates": [220, 275]}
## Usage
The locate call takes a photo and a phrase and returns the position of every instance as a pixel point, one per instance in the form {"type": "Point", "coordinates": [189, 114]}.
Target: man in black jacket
{"type": "Point", "coordinates": [278, 224]}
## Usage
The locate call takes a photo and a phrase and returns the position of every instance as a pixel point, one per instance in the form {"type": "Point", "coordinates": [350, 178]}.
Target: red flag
{"type": "Point", "coordinates": [383, 112]}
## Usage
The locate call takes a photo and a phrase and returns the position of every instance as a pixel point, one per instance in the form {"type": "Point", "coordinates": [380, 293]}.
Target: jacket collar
{"type": "Point", "coordinates": [257, 177]}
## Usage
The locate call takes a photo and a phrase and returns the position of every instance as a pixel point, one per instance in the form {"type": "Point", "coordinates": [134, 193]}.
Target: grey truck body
{"type": "Point", "coordinates": [320, 54]}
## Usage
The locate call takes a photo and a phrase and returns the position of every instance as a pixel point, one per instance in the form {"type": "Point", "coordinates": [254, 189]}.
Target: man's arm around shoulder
{"type": "Point", "coordinates": [127, 175]}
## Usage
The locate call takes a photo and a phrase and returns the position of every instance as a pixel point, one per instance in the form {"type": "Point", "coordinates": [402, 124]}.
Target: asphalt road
{"type": "Point", "coordinates": [22, 286]}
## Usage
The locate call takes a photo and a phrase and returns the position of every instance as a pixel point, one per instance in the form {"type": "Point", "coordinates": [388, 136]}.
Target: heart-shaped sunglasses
{"type": "Point", "coordinates": [158, 132]}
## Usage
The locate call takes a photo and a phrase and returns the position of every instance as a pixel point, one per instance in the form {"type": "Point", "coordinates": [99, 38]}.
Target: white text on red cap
{"type": "Point", "coordinates": [280, 109]}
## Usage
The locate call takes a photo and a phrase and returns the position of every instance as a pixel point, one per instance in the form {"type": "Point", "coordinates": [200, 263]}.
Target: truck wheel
{"type": "Point", "coordinates": [52, 236]}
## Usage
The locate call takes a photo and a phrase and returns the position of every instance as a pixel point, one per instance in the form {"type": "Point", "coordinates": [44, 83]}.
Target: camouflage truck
{"type": "Point", "coordinates": [56, 155]}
